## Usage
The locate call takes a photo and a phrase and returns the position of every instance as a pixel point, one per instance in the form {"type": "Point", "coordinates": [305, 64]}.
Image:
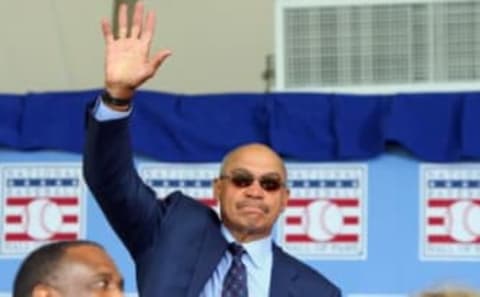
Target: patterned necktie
{"type": "Point", "coordinates": [235, 282]}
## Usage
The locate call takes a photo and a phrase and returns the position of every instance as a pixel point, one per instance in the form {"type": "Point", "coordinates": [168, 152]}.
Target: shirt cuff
{"type": "Point", "coordinates": [101, 112]}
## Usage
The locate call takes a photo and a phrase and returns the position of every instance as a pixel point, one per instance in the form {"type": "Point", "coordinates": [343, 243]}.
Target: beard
{"type": "Point", "coordinates": [248, 224]}
{"type": "Point", "coordinates": [247, 227]}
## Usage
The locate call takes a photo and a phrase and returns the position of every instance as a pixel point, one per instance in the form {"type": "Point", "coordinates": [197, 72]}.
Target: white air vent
{"type": "Point", "coordinates": [377, 46]}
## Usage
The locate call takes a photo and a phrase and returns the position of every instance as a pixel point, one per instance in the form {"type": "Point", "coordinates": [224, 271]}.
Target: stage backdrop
{"type": "Point", "coordinates": [372, 217]}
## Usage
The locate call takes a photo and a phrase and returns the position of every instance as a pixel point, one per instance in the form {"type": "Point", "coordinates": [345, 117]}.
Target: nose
{"type": "Point", "coordinates": [254, 190]}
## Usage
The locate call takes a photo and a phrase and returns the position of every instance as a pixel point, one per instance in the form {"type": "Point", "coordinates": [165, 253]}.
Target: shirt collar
{"type": "Point", "coordinates": [258, 250]}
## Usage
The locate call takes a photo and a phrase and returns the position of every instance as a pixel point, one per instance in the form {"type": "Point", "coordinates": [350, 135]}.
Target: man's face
{"type": "Point", "coordinates": [249, 209]}
{"type": "Point", "coordinates": [87, 271]}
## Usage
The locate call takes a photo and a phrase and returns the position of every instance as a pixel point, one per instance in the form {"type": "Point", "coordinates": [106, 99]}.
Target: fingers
{"type": "Point", "coordinates": [107, 31]}
{"type": "Point", "coordinates": [137, 20]}
{"type": "Point", "coordinates": [122, 20]}
{"type": "Point", "coordinates": [149, 28]}
{"type": "Point", "coordinates": [128, 61]}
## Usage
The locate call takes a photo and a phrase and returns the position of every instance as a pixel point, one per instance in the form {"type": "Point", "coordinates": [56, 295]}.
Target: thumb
{"type": "Point", "coordinates": [159, 58]}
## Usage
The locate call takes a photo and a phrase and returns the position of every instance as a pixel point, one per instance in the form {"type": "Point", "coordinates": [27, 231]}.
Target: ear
{"type": "Point", "coordinates": [216, 188]}
{"type": "Point", "coordinates": [42, 290]}
{"type": "Point", "coordinates": [285, 198]}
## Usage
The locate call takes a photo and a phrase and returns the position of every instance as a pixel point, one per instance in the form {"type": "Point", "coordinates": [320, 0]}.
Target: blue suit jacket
{"type": "Point", "coordinates": [176, 243]}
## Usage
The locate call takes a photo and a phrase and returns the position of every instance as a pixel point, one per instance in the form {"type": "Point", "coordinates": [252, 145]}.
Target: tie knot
{"type": "Point", "coordinates": [236, 249]}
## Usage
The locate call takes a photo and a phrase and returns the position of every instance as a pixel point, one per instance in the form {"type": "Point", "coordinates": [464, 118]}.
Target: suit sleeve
{"type": "Point", "coordinates": [130, 206]}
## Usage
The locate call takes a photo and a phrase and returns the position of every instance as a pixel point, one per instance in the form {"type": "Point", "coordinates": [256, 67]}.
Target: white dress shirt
{"type": "Point", "coordinates": [258, 260]}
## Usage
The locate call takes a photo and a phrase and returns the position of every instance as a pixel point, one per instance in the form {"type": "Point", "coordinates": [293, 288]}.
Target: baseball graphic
{"type": "Point", "coordinates": [472, 220]}
{"type": "Point", "coordinates": [43, 218]}
{"type": "Point", "coordinates": [323, 220]}
{"type": "Point", "coordinates": [462, 220]}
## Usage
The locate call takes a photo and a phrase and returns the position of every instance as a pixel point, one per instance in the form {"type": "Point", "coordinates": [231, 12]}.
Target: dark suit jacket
{"type": "Point", "coordinates": [176, 243]}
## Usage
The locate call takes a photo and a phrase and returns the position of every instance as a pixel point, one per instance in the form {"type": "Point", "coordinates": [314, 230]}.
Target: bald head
{"type": "Point", "coordinates": [257, 154]}
{"type": "Point", "coordinates": [251, 191]}
{"type": "Point", "coordinates": [452, 293]}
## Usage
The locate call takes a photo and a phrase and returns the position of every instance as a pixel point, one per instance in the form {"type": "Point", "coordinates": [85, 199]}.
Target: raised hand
{"type": "Point", "coordinates": [127, 58]}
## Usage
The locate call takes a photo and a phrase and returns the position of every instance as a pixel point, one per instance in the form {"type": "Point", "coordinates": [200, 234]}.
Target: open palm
{"type": "Point", "coordinates": [127, 58]}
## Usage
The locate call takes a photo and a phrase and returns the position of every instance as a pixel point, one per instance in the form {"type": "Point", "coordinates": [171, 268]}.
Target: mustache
{"type": "Point", "coordinates": [258, 205]}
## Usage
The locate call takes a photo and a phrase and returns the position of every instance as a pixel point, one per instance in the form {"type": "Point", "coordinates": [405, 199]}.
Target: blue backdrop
{"type": "Point", "coordinates": [391, 136]}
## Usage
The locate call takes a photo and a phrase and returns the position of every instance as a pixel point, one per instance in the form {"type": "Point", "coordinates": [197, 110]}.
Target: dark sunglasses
{"type": "Point", "coordinates": [243, 180]}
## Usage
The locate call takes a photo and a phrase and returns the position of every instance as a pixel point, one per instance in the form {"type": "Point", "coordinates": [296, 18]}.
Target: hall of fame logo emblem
{"type": "Point", "coordinates": [40, 203]}
{"type": "Point", "coordinates": [450, 212]}
{"type": "Point", "coordinates": [326, 215]}
{"type": "Point", "coordinates": [194, 180]}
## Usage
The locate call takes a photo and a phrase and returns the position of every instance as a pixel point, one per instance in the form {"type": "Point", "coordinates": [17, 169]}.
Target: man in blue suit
{"type": "Point", "coordinates": [181, 247]}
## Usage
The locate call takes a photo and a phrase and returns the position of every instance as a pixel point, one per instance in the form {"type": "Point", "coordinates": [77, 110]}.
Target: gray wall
{"type": "Point", "coordinates": [219, 46]}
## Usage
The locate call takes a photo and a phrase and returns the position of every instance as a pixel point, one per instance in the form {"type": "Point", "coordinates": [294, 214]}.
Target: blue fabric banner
{"type": "Point", "coordinates": [300, 126]}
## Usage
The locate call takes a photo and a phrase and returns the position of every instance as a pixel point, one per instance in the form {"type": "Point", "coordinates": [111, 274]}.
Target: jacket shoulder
{"type": "Point", "coordinates": [309, 280]}
{"type": "Point", "coordinates": [179, 204]}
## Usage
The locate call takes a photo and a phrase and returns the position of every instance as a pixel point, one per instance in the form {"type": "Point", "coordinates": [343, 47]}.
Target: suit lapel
{"type": "Point", "coordinates": [282, 275]}
{"type": "Point", "coordinates": [211, 252]}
